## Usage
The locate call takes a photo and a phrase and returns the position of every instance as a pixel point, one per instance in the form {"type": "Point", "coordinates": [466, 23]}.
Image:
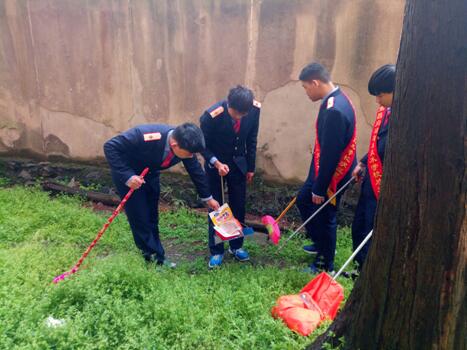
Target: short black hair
{"type": "Point", "coordinates": [240, 98]}
{"type": "Point", "coordinates": [315, 71]}
{"type": "Point", "coordinates": [189, 137]}
{"type": "Point", "coordinates": [382, 80]}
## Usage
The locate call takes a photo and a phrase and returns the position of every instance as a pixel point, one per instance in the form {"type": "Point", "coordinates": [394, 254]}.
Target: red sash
{"type": "Point", "coordinates": [375, 166]}
{"type": "Point", "coordinates": [345, 161]}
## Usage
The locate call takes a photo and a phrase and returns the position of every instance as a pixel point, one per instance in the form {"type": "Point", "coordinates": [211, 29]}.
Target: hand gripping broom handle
{"type": "Point", "coordinates": [101, 232]}
{"type": "Point", "coordinates": [316, 212]}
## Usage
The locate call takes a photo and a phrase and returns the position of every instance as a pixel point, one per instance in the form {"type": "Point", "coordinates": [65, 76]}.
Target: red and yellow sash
{"type": "Point", "coordinates": [375, 166]}
{"type": "Point", "coordinates": [345, 161]}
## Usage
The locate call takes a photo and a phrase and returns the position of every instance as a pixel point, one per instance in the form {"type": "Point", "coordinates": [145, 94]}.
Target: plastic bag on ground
{"type": "Point", "coordinates": [317, 301]}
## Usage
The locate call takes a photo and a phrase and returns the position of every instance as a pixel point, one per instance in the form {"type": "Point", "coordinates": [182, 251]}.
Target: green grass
{"type": "Point", "coordinates": [118, 301]}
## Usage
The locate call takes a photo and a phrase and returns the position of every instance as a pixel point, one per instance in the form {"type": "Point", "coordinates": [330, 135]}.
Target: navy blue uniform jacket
{"type": "Point", "coordinates": [223, 143]}
{"type": "Point", "coordinates": [143, 146]}
{"type": "Point", "coordinates": [336, 124]}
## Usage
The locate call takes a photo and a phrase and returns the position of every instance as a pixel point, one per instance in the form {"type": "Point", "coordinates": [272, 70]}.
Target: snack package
{"type": "Point", "coordinates": [226, 226]}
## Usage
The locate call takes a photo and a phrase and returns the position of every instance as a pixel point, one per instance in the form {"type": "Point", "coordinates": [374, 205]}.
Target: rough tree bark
{"type": "Point", "coordinates": [412, 292]}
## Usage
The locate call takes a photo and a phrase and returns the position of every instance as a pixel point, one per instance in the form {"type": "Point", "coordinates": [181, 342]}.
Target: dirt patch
{"type": "Point", "coordinates": [182, 251]}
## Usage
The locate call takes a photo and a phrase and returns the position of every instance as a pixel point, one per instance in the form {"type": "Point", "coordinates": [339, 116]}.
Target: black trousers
{"type": "Point", "coordinates": [323, 228]}
{"type": "Point", "coordinates": [236, 184]}
{"type": "Point", "coordinates": [143, 215]}
{"type": "Point", "coordinates": [363, 220]}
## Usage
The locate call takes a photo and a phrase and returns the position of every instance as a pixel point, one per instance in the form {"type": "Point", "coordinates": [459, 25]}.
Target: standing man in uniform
{"type": "Point", "coordinates": [381, 85]}
{"type": "Point", "coordinates": [158, 147]}
{"type": "Point", "coordinates": [230, 128]}
{"type": "Point", "coordinates": [333, 160]}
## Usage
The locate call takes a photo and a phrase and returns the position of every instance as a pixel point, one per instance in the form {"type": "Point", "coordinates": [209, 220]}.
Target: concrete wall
{"type": "Point", "coordinates": [74, 73]}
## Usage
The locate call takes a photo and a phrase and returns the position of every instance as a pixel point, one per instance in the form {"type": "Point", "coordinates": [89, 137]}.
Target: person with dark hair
{"type": "Point", "coordinates": [230, 128]}
{"type": "Point", "coordinates": [381, 85]}
{"type": "Point", "coordinates": [157, 147]}
{"type": "Point", "coordinates": [333, 159]}
{"type": "Point", "coordinates": [315, 71]}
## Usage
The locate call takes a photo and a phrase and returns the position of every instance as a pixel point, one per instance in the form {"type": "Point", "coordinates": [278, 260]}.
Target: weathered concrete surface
{"type": "Point", "coordinates": [74, 73]}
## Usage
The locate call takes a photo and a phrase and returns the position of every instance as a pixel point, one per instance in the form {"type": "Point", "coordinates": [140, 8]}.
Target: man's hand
{"type": "Point", "coordinates": [249, 177]}
{"type": "Point", "coordinates": [222, 168]}
{"type": "Point", "coordinates": [213, 204]}
{"type": "Point", "coordinates": [316, 199]}
{"type": "Point", "coordinates": [135, 182]}
{"type": "Point", "coordinates": [359, 172]}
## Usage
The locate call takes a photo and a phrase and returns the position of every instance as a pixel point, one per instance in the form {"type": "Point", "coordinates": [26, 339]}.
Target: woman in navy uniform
{"type": "Point", "coordinates": [158, 147]}
{"type": "Point", "coordinates": [381, 85]}
{"type": "Point", "coordinates": [334, 157]}
{"type": "Point", "coordinates": [230, 128]}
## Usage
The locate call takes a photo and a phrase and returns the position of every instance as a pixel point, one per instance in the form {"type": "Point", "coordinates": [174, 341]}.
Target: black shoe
{"type": "Point", "coordinates": [352, 274]}
{"type": "Point", "coordinates": [149, 257]}
{"type": "Point", "coordinates": [346, 274]}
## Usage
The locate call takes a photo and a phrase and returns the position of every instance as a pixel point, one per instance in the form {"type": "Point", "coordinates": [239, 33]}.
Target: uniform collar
{"type": "Point", "coordinates": [225, 104]}
{"type": "Point", "coordinates": [167, 145]}
{"type": "Point", "coordinates": [329, 95]}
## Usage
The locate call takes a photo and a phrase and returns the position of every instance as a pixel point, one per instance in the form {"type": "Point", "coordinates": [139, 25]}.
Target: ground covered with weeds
{"type": "Point", "coordinates": [118, 301]}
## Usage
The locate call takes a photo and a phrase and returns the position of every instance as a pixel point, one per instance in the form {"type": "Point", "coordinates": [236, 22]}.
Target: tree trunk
{"type": "Point", "coordinates": [412, 292]}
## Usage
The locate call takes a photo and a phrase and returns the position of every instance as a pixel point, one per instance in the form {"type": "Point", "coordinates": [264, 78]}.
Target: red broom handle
{"type": "Point", "coordinates": [101, 232]}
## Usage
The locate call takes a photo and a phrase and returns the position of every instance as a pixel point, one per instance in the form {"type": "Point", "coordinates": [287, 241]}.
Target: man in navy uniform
{"type": "Point", "coordinates": [158, 147]}
{"type": "Point", "coordinates": [333, 160]}
{"type": "Point", "coordinates": [230, 128]}
{"type": "Point", "coordinates": [381, 85]}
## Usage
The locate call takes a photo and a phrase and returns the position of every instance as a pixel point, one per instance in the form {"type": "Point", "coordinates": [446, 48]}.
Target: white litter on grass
{"type": "Point", "coordinates": [54, 322]}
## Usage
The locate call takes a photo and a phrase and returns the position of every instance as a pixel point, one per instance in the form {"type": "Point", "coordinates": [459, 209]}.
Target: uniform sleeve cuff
{"type": "Point", "coordinates": [206, 199]}
{"type": "Point", "coordinates": [213, 160]}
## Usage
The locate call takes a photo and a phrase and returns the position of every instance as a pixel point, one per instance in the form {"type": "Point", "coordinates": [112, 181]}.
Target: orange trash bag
{"type": "Point", "coordinates": [326, 292]}
{"type": "Point", "coordinates": [317, 301]}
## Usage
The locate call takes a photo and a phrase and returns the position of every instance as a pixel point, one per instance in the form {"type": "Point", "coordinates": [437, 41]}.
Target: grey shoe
{"type": "Point", "coordinates": [166, 263]}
